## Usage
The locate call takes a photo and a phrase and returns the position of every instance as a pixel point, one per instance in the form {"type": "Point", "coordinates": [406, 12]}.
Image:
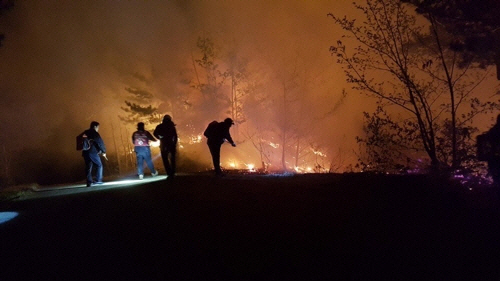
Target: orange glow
{"type": "Point", "coordinates": [251, 167]}
{"type": "Point", "coordinates": [274, 145]}
{"type": "Point", "coordinates": [155, 143]}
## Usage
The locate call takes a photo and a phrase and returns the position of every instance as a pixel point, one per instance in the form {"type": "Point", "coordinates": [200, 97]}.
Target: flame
{"type": "Point", "coordinates": [251, 167]}
{"type": "Point", "coordinates": [274, 145]}
{"type": "Point", "coordinates": [195, 139]}
{"type": "Point", "coordinates": [319, 153]}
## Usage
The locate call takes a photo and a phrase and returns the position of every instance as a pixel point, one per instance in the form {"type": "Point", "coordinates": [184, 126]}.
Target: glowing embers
{"type": "Point", "coordinates": [251, 167]}
{"type": "Point", "coordinates": [190, 140]}
{"type": "Point", "coordinates": [195, 139]}
{"type": "Point", "coordinates": [274, 145]}
{"type": "Point", "coordinates": [317, 152]}
{"type": "Point", "coordinates": [233, 164]}
{"type": "Point", "coordinates": [304, 170]}
{"type": "Point", "coordinates": [7, 216]}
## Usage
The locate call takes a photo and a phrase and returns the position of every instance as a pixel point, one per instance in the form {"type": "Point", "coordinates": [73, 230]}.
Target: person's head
{"type": "Point", "coordinates": [228, 121]}
{"type": "Point", "coordinates": [140, 126]}
{"type": "Point", "coordinates": [498, 118]}
{"type": "Point", "coordinates": [167, 118]}
{"type": "Point", "coordinates": [94, 125]}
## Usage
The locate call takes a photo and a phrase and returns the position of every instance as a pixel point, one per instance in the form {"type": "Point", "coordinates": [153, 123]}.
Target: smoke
{"type": "Point", "coordinates": [66, 63]}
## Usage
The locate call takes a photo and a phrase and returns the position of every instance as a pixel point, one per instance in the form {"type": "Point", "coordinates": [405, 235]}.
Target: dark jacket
{"type": "Point", "coordinates": [166, 133]}
{"type": "Point", "coordinates": [97, 146]}
{"type": "Point", "coordinates": [221, 133]}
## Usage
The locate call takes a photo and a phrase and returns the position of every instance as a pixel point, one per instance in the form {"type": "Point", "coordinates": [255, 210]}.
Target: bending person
{"type": "Point", "coordinates": [217, 133]}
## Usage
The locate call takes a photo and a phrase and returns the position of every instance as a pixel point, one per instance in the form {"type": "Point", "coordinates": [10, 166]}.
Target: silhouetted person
{"type": "Point", "coordinates": [167, 134]}
{"type": "Point", "coordinates": [140, 139]}
{"type": "Point", "coordinates": [91, 156]}
{"type": "Point", "coordinates": [217, 133]}
{"type": "Point", "coordinates": [493, 136]}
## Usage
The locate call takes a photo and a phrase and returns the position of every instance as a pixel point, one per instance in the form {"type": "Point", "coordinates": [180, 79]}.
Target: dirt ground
{"type": "Point", "coordinates": [266, 227]}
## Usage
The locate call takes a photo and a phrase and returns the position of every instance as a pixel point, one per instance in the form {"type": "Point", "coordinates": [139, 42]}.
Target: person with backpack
{"type": "Point", "coordinates": [217, 133]}
{"type": "Point", "coordinates": [167, 134]}
{"type": "Point", "coordinates": [91, 153]}
{"type": "Point", "coordinates": [140, 139]}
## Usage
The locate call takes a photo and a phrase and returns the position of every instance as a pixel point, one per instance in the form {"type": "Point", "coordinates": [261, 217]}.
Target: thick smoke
{"type": "Point", "coordinates": [66, 63]}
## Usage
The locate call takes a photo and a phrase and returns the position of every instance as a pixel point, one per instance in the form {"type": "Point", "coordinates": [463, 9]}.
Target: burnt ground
{"type": "Point", "coordinates": [247, 227]}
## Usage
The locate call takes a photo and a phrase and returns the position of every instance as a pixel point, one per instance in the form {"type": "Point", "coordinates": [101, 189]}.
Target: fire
{"type": "Point", "coordinates": [251, 167]}
{"type": "Point", "coordinates": [319, 153]}
{"type": "Point", "coordinates": [303, 170]}
{"type": "Point", "coordinates": [274, 145]}
{"type": "Point", "coordinates": [195, 139]}
{"type": "Point", "coordinates": [234, 165]}
{"type": "Point", "coordinates": [311, 159]}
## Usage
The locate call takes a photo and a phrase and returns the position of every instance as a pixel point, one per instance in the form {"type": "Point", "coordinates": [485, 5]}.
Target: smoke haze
{"type": "Point", "coordinates": [66, 63]}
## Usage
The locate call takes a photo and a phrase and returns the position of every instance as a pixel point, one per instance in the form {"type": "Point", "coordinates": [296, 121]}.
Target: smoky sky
{"type": "Point", "coordinates": [66, 63]}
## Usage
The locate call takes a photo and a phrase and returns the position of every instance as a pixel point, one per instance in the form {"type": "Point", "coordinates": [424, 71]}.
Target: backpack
{"type": "Point", "coordinates": [83, 142]}
{"type": "Point", "coordinates": [211, 130]}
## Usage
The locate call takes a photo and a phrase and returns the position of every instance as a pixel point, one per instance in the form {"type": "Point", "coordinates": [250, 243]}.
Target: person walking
{"type": "Point", "coordinates": [167, 134]}
{"type": "Point", "coordinates": [91, 155]}
{"type": "Point", "coordinates": [217, 133]}
{"type": "Point", "coordinates": [140, 139]}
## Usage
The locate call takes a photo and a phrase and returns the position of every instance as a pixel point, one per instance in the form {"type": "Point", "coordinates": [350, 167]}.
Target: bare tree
{"type": "Point", "coordinates": [457, 77]}
{"type": "Point", "coordinates": [238, 78]}
{"type": "Point", "coordinates": [475, 24]}
{"type": "Point", "coordinates": [386, 40]}
{"type": "Point", "coordinates": [393, 63]}
{"type": "Point", "coordinates": [210, 88]}
{"type": "Point", "coordinates": [257, 139]}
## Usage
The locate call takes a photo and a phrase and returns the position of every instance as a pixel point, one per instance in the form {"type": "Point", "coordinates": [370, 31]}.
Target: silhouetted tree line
{"type": "Point", "coordinates": [425, 95]}
{"type": "Point", "coordinates": [475, 23]}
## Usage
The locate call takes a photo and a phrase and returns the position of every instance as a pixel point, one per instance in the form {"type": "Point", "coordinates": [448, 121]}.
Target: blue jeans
{"type": "Point", "coordinates": [92, 159]}
{"type": "Point", "coordinates": [143, 153]}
